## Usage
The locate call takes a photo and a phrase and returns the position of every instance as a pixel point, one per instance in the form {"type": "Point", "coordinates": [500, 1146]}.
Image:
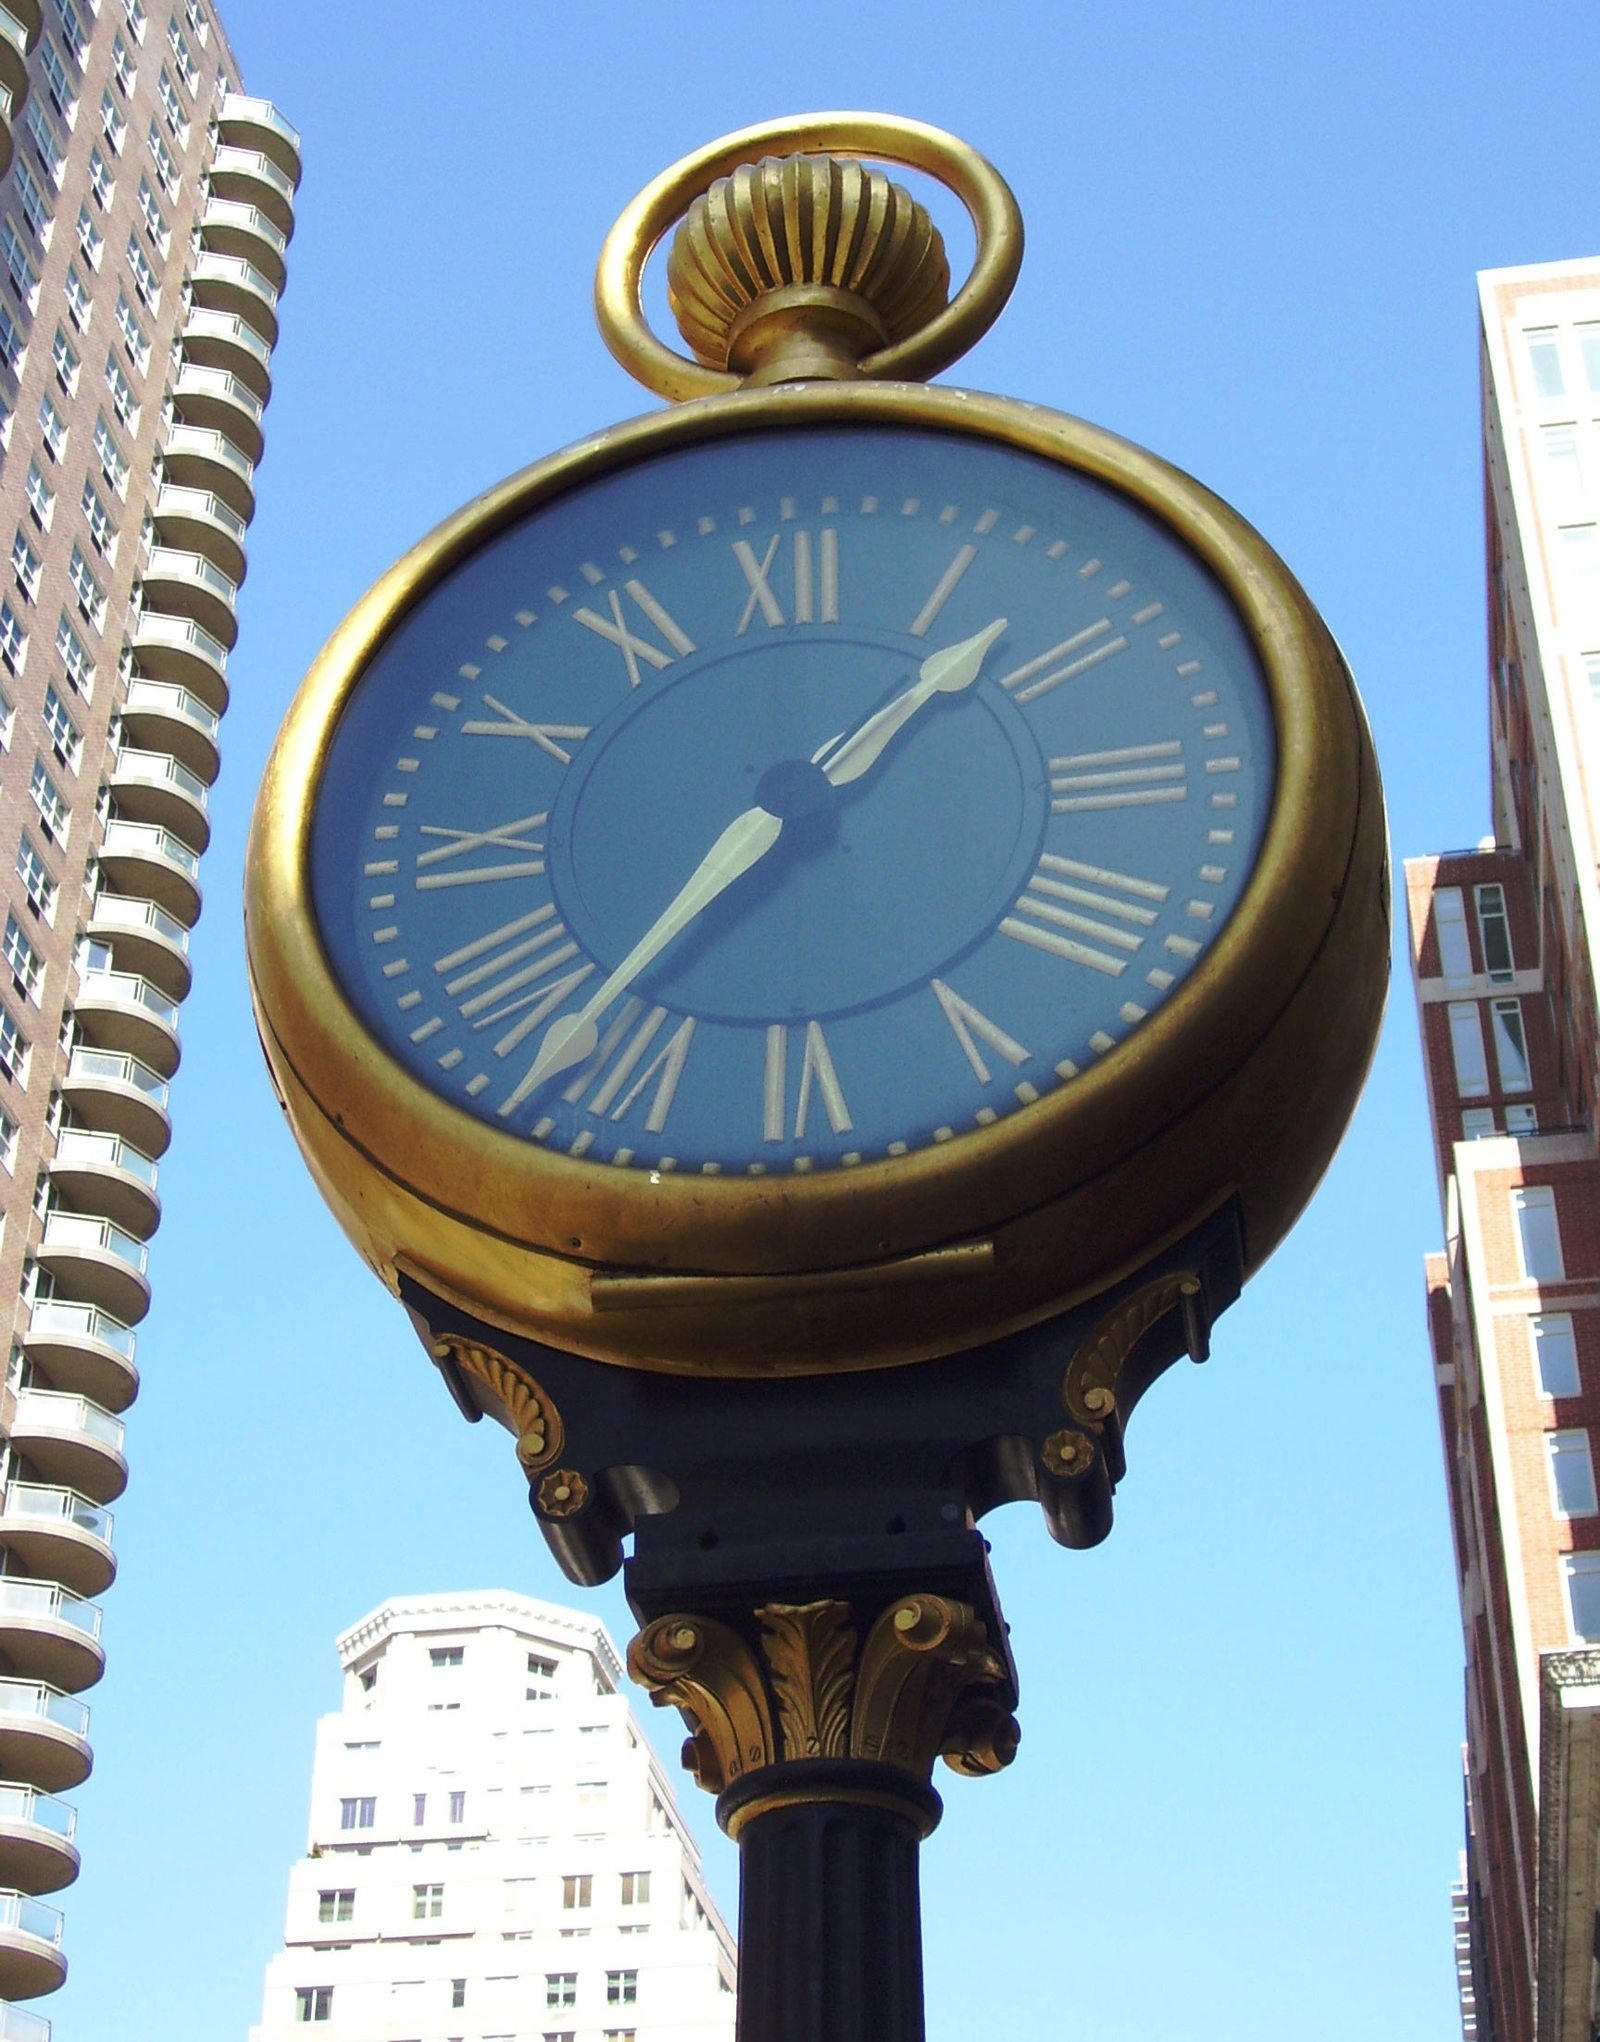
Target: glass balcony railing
{"type": "Point", "coordinates": [240, 106]}
{"type": "Point", "coordinates": [50, 1503]}
{"type": "Point", "coordinates": [20, 1804]}
{"type": "Point", "coordinates": [244, 219]}
{"type": "Point", "coordinates": [13, 32]}
{"type": "Point", "coordinates": [106, 1152]}
{"type": "Point", "coordinates": [116, 1067]}
{"type": "Point", "coordinates": [30, 1917]}
{"type": "Point", "coordinates": [160, 767]}
{"type": "Point", "coordinates": [175, 502]}
{"type": "Point", "coordinates": [20, 1597]}
{"type": "Point", "coordinates": [171, 563]}
{"type": "Point", "coordinates": [201, 325]}
{"type": "Point", "coordinates": [251, 163]}
{"type": "Point", "coordinates": [194, 381]}
{"type": "Point", "coordinates": [18, 2025]}
{"type": "Point", "coordinates": [128, 989]}
{"type": "Point", "coordinates": [122, 911]}
{"type": "Point", "coordinates": [233, 269]}
{"type": "Point", "coordinates": [39, 1699]}
{"type": "Point", "coordinates": [60, 1411]}
{"type": "Point", "coordinates": [74, 1230]}
{"type": "Point", "coordinates": [149, 840]}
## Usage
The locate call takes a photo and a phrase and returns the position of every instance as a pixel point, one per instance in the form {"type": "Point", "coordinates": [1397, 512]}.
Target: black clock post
{"type": "Point", "coordinates": [771, 1358]}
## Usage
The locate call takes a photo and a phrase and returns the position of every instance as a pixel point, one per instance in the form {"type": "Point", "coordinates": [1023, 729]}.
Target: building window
{"type": "Point", "coordinates": [113, 121]}
{"type": "Point", "coordinates": [101, 529]}
{"type": "Point", "coordinates": [27, 970]}
{"type": "Point", "coordinates": [458, 1807]}
{"type": "Point", "coordinates": [1466, 1046]}
{"type": "Point", "coordinates": [1571, 1473]}
{"type": "Point", "coordinates": [73, 32]}
{"type": "Point", "coordinates": [172, 108]}
{"type": "Point", "coordinates": [635, 1888]}
{"type": "Point", "coordinates": [91, 596]}
{"type": "Point", "coordinates": [622, 1988]}
{"type": "Point", "coordinates": [122, 63]}
{"type": "Point", "coordinates": [1544, 356]}
{"type": "Point", "coordinates": [55, 816]}
{"type": "Point", "coordinates": [133, 334]}
{"type": "Point", "coordinates": [445, 1656]}
{"type": "Point", "coordinates": [121, 394]}
{"type": "Point", "coordinates": [1450, 925]}
{"type": "Point", "coordinates": [181, 57]}
{"type": "Point", "coordinates": [35, 206]}
{"type": "Point", "coordinates": [23, 275]}
{"type": "Point", "coordinates": [41, 497]}
{"type": "Point", "coordinates": [427, 1903]}
{"type": "Point", "coordinates": [1510, 1046]}
{"type": "Point", "coordinates": [618, 2034]}
{"type": "Point", "coordinates": [1533, 1212]}
{"type": "Point", "coordinates": [90, 239]}
{"type": "Point", "coordinates": [1580, 548]}
{"type": "Point", "coordinates": [337, 1905]}
{"type": "Point", "coordinates": [1589, 348]}
{"type": "Point", "coordinates": [577, 1890]}
{"type": "Point", "coordinates": [313, 2003]}
{"type": "Point", "coordinates": [113, 462]}
{"type": "Point", "coordinates": [136, 17]}
{"type": "Point", "coordinates": [66, 362]}
{"type": "Point", "coordinates": [74, 656]}
{"type": "Point", "coordinates": [13, 650]}
{"type": "Point", "coordinates": [591, 1793]}
{"type": "Point", "coordinates": [78, 298]}
{"type": "Point", "coordinates": [14, 1051]}
{"type": "Point", "coordinates": [1582, 1574]}
{"type": "Point", "coordinates": [561, 1988]}
{"type": "Point", "coordinates": [1494, 933]}
{"type": "Point", "coordinates": [101, 182]}
{"type": "Point", "coordinates": [359, 1813]}
{"type": "Point", "coordinates": [144, 277]}
{"type": "Point", "coordinates": [166, 168]}
{"type": "Point", "coordinates": [62, 97]}
{"type": "Point", "coordinates": [1555, 1355]}
{"type": "Point", "coordinates": [11, 352]}
{"type": "Point", "coordinates": [1522, 1120]}
{"type": "Point", "coordinates": [1560, 444]}
{"type": "Point", "coordinates": [25, 564]}
{"type": "Point", "coordinates": [37, 884]}
{"type": "Point", "coordinates": [419, 1810]}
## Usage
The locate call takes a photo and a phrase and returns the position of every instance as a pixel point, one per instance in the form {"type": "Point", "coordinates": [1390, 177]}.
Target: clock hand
{"type": "Point", "coordinates": [746, 840]}
{"type": "Point", "coordinates": [946, 672]}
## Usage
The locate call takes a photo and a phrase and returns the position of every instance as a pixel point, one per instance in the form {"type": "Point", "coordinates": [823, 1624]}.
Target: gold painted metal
{"type": "Point", "coordinates": [1089, 1388]}
{"type": "Point", "coordinates": [1067, 1453]}
{"type": "Point", "coordinates": [938, 1265]}
{"type": "Point", "coordinates": [527, 1408]}
{"type": "Point", "coordinates": [1239, 1085]}
{"type": "Point", "coordinates": [811, 1658]}
{"type": "Point", "coordinates": [562, 1493]}
{"type": "Point", "coordinates": [924, 1683]}
{"type": "Point", "coordinates": [934, 344]}
{"type": "Point", "coordinates": [795, 1794]}
{"type": "Point", "coordinates": [707, 1670]}
{"type": "Point", "coordinates": [799, 266]}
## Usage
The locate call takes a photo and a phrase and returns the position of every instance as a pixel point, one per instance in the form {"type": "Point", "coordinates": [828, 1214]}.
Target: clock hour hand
{"type": "Point", "coordinates": [746, 840]}
{"type": "Point", "coordinates": [945, 672]}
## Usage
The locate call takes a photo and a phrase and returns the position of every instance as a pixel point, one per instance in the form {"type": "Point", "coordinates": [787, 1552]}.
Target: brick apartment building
{"type": "Point", "coordinates": [1505, 980]}
{"type": "Point", "coordinates": [145, 206]}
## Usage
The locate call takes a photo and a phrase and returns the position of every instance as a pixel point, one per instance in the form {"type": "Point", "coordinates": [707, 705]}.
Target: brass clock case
{"type": "Point", "coordinates": [1238, 1087]}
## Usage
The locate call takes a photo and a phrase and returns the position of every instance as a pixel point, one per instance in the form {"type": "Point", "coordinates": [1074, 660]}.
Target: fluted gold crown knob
{"type": "Point", "coordinates": [801, 266]}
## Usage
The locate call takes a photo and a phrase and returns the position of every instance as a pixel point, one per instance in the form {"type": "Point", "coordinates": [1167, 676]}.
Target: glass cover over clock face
{"type": "Point", "coordinates": [804, 799]}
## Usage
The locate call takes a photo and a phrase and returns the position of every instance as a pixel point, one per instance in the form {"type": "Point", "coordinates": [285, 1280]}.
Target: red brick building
{"type": "Point", "coordinates": [1505, 980]}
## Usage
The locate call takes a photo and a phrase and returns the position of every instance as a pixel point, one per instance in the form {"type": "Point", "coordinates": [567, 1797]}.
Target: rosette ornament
{"type": "Point", "coordinates": [799, 266]}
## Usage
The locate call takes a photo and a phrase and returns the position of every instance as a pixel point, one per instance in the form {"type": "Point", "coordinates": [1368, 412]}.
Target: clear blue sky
{"type": "Point", "coordinates": [1253, 230]}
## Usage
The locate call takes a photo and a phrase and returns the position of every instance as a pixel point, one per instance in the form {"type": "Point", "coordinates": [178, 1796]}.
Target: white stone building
{"type": "Point", "coordinates": [495, 1853]}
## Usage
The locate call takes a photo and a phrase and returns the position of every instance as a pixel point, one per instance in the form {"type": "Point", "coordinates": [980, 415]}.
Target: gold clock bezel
{"type": "Point", "coordinates": [1238, 1085]}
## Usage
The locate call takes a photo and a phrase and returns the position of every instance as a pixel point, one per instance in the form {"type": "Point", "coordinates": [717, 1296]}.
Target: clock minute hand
{"type": "Point", "coordinates": [746, 840]}
{"type": "Point", "coordinates": [945, 672]}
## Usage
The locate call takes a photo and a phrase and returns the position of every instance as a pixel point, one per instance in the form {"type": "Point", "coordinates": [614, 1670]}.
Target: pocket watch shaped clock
{"type": "Point", "coordinates": [823, 875]}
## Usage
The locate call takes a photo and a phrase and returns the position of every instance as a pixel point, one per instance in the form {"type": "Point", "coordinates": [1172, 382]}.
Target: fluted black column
{"type": "Point", "coordinates": [830, 1918]}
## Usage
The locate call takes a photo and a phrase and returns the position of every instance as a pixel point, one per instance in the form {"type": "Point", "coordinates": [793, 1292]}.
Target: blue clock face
{"type": "Point", "coordinates": [798, 801]}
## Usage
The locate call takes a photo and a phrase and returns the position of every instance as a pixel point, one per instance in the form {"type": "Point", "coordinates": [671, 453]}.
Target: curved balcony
{"type": "Point", "coordinates": [143, 938]}
{"type": "Point", "coordinates": [7, 146]}
{"type": "Point", "coordinates": [119, 1010]}
{"type": "Point", "coordinates": [15, 43]}
{"type": "Point", "coordinates": [70, 1441]}
{"type": "Point", "coordinates": [167, 717]}
{"type": "Point", "coordinates": [140, 857]}
{"type": "Point", "coordinates": [177, 650]}
{"type": "Point", "coordinates": [92, 1262]}
{"type": "Point", "coordinates": [119, 1094]}
{"type": "Point", "coordinates": [44, 1734]}
{"type": "Point", "coordinates": [18, 2025]}
{"type": "Point", "coordinates": [246, 123]}
{"type": "Point", "coordinates": [80, 1347]}
{"type": "Point", "coordinates": [104, 1173]}
{"type": "Point", "coordinates": [227, 283]}
{"type": "Point", "coordinates": [30, 1946]}
{"type": "Point", "coordinates": [36, 1848]}
{"type": "Point", "coordinates": [217, 401]}
{"type": "Point", "coordinates": [58, 1535]}
{"type": "Point", "coordinates": [155, 787]}
{"type": "Point", "coordinates": [220, 340]}
{"type": "Point", "coordinates": [183, 584]}
{"type": "Point", "coordinates": [251, 177]}
{"type": "Point", "coordinates": [202, 457]}
{"type": "Point", "coordinates": [199, 522]}
{"type": "Point", "coordinates": [229, 228]}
